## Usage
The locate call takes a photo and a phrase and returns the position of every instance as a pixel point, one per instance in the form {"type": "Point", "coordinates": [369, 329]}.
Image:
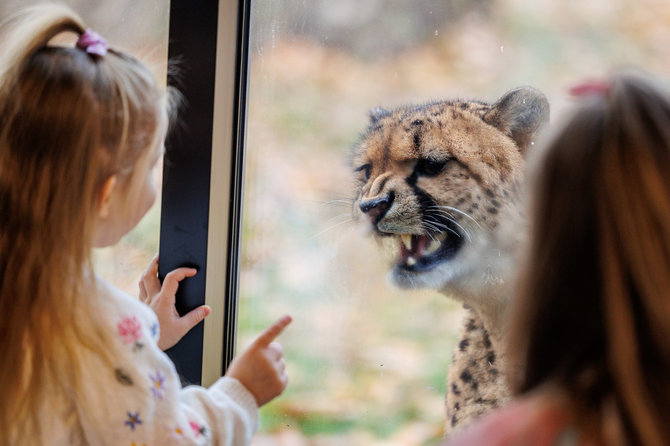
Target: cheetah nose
{"type": "Point", "coordinates": [375, 208]}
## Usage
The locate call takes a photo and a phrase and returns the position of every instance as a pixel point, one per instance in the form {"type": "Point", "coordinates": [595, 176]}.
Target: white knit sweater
{"type": "Point", "coordinates": [140, 401]}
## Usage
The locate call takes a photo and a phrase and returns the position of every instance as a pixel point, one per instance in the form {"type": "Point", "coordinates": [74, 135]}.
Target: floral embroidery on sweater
{"type": "Point", "coordinates": [157, 384]}
{"type": "Point", "coordinates": [198, 429]}
{"type": "Point", "coordinates": [133, 419]}
{"type": "Point", "coordinates": [154, 330]}
{"type": "Point", "coordinates": [130, 329]}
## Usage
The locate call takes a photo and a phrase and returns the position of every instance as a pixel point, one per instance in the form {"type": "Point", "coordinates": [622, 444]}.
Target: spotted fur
{"type": "Point", "coordinates": [435, 183]}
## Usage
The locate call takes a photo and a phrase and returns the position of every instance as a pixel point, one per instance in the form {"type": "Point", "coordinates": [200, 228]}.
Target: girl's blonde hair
{"type": "Point", "coordinates": [68, 121]}
{"type": "Point", "coordinates": [593, 312]}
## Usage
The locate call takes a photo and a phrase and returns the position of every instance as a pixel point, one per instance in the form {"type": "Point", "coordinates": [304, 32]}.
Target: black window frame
{"type": "Point", "coordinates": [203, 176]}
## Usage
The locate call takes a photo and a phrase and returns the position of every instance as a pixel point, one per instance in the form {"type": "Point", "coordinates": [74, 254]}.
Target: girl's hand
{"type": "Point", "coordinates": [162, 300]}
{"type": "Point", "coordinates": [261, 368]}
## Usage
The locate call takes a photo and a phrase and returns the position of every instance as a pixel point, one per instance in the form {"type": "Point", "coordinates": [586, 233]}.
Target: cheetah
{"type": "Point", "coordinates": [435, 183]}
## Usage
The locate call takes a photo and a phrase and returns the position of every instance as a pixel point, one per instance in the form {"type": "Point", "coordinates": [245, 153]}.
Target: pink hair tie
{"type": "Point", "coordinates": [590, 88]}
{"type": "Point", "coordinates": [92, 43]}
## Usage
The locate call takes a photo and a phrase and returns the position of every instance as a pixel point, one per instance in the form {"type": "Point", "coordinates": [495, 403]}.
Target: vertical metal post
{"type": "Point", "coordinates": [203, 176]}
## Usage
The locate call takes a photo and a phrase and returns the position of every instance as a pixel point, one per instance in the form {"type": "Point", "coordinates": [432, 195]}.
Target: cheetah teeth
{"type": "Point", "coordinates": [435, 244]}
{"type": "Point", "coordinates": [432, 247]}
{"type": "Point", "coordinates": [407, 240]}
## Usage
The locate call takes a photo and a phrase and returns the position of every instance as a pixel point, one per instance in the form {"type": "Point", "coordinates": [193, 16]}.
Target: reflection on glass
{"type": "Point", "coordinates": [139, 27]}
{"type": "Point", "coordinates": [368, 362]}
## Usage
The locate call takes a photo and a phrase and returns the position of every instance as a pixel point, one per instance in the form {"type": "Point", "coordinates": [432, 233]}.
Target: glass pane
{"type": "Point", "coordinates": [368, 362]}
{"type": "Point", "coordinates": [139, 27]}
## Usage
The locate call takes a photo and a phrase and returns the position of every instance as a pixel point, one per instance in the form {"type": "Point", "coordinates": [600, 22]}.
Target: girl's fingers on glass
{"type": "Point", "coordinates": [143, 291]}
{"type": "Point", "coordinates": [152, 285]}
{"type": "Point", "coordinates": [172, 279]}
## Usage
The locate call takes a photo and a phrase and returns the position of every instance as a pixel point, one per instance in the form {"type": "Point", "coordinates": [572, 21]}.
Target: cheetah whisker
{"type": "Point", "coordinates": [451, 219]}
{"type": "Point", "coordinates": [330, 228]}
{"type": "Point", "coordinates": [338, 202]}
{"type": "Point", "coordinates": [439, 227]}
{"type": "Point", "coordinates": [465, 214]}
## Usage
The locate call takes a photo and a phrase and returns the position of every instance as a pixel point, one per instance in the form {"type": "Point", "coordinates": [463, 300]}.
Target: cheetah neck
{"type": "Point", "coordinates": [488, 306]}
{"type": "Point", "coordinates": [475, 382]}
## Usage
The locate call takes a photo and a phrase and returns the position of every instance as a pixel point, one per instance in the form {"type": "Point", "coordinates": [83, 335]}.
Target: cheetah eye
{"type": "Point", "coordinates": [428, 167]}
{"type": "Point", "coordinates": [365, 168]}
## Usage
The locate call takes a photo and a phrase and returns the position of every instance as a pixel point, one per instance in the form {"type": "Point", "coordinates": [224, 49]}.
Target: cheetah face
{"type": "Point", "coordinates": [425, 229]}
{"type": "Point", "coordinates": [435, 181]}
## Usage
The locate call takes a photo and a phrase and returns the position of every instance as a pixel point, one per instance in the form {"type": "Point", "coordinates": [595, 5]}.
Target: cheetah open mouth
{"type": "Point", "coordinates": [423, 252]}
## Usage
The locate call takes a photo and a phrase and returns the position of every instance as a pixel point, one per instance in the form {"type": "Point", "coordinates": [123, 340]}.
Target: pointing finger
{"type": "Point", "coordinates": [269, 334]}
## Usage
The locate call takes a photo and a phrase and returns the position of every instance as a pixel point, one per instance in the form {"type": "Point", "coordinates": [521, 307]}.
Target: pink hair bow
{"type": "Point", "coordinates": [590, 88]}
{"type": "Point", "coordinates": [92, 43]}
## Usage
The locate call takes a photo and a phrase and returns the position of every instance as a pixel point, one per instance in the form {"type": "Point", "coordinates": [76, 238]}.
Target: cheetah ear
{"type": "Point", "coordinates": [377, 113]}
{"type": "Point", "coordinates": [520, 113]}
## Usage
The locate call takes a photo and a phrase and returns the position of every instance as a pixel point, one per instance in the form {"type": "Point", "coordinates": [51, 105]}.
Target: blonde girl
{"type": "Point", "coordinates": [81, 128]}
